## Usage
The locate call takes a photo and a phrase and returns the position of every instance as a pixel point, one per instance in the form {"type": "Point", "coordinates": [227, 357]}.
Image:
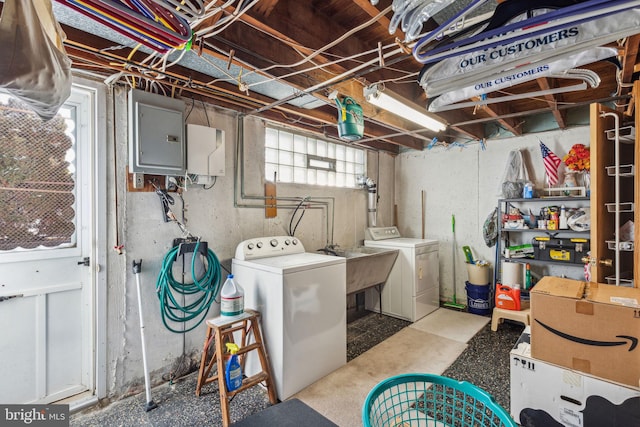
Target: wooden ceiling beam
{"type": "Point", "coordinates": [629, 62]}
{"type": "Point", "coordinates": [552, 101]}
{"type": "Point", "coordinates": [348, 87]}
{"type": "Point", "coordinates": [475, 131]}
{"type": "Point", "coordinates": [372, 11]}
{"type": "Point", "coordinates": [265, 7]}
{"type": "Point", "coordinates": [223, 94]}
{"type": "Point", "coordinates": [291, 23]}
{"type": "Point", "coordinates": [497, 111]}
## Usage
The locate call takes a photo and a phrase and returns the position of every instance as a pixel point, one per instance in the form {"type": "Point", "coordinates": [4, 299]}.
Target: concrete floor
{"type": "Point", "coordinates": [485, 363]}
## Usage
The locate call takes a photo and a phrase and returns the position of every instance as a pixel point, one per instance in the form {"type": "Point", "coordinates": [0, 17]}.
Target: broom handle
{"type": "Point", "coordinates": [453, 245]}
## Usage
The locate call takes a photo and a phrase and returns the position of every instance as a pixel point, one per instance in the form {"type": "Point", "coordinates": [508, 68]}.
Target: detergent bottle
{"type": "Point", "coordinates": [508, 297]}
{"type": "Point", "coordinates": [233, 371]}
{"type": "Point", "coordinates": [231, 298]}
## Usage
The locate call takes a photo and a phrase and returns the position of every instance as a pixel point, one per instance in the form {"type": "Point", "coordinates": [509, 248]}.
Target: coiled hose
{"type": "Point", "coordinates": [167, 288]}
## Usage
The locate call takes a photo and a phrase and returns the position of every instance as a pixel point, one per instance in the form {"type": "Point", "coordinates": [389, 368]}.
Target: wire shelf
{"type": "Point", "coordinates": [620, 207]}
{"type": "Point", "coordinates": [622, 246]}
{"type": "Point", "coordinates": [627, 134]}
{"type": "Point", "coordinates": [623, 170]}
{"type": "Point", "coordinates": [625, 279]}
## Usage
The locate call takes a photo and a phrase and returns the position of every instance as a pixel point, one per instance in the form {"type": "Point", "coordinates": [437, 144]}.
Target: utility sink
{"type": "Point", "coordinates": [366, 266]}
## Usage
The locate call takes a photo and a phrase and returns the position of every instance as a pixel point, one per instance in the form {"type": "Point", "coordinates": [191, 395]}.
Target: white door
{"type": "Point", "coordinates": [46, 301]}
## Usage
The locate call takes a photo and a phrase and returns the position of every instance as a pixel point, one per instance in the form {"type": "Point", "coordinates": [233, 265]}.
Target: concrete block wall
{"type": "Point", "coordinates": [466, 182]}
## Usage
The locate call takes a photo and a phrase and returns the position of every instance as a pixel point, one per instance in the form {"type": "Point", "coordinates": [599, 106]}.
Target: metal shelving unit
{"type": "Point", "coordinates": [504, 234]}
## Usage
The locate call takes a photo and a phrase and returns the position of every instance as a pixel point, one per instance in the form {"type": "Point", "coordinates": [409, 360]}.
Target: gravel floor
{"type": "Point", "coordinates": [484, 363]}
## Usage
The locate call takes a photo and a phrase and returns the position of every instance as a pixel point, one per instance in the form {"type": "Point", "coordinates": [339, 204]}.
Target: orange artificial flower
{"type": "Point", "coordinates": [578, 158]}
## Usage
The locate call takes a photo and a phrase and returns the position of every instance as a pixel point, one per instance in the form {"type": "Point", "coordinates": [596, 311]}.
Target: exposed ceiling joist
{"type": "Point", "coordinates": [552, 101]}
{"type": "Point", "coordinates": [345, 40]}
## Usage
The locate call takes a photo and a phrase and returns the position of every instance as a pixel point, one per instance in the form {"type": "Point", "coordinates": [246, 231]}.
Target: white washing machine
{"type": "Point", "coordinates": [302, 299]}
{"type": "Point", "coordinates": [413, 288]}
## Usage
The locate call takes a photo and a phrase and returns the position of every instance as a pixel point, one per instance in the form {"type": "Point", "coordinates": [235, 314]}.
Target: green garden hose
{"type": "Point", "coordinates": [167, 287]}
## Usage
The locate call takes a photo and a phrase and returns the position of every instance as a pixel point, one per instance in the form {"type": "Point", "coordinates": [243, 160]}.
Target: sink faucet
{"type": "Point", "coordinates": [329, 250]}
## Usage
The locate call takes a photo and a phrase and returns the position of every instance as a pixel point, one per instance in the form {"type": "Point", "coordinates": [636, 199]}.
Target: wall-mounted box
{"type": "Point", "coordinates": [205, 152]}
{"type": "Point", "coordinates": [156, 134]}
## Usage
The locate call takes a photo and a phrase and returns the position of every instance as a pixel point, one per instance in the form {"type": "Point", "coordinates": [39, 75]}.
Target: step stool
{"type": "Point", "coordinates": [220, 331]}
{"type": "Point", "coordinates": [499, 314]}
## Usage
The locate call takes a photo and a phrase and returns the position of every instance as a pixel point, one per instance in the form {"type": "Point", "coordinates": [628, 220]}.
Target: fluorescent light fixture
{"type": "Point", "coordinates": [380, 99]}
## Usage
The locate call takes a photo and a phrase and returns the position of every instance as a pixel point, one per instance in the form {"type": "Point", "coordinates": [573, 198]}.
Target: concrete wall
{"type": "Point", "coordinates": [465, 182]}
{"type": "Point", "coordinates": [135, 221]}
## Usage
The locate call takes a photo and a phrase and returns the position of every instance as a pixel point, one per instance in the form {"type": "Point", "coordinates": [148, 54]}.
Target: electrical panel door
{"type": "Point", "coordinates": [156, 134]}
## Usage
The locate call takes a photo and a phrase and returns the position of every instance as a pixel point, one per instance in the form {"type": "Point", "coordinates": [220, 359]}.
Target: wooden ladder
{"type": "Point", "coordinates": [220, 331]}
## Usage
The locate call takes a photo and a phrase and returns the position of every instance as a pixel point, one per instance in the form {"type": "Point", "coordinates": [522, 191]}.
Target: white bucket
{"type": "Point", "coordinates": [479, 274]}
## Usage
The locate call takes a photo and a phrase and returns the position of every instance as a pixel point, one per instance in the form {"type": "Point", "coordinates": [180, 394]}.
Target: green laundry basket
{"type": "Point", "coordinates": [412, 400]}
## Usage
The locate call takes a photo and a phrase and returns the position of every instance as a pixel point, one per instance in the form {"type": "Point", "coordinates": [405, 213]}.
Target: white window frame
{"type": "Point", "coordinates": [77, 109]}
{"type": "Point", "coordinates": [297, 158]}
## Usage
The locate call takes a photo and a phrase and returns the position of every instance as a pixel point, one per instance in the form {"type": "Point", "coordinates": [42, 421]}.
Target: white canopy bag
{"type": "Point", "coordinates": [515, 176]}
{"type": "Point", "coordinates": [34, 66]}
{"type": "Point", "coordinates": [566, 48]}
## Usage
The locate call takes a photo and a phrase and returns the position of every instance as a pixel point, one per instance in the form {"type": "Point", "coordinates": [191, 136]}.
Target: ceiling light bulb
{"type": "Point", "coordinates": [382, 100]}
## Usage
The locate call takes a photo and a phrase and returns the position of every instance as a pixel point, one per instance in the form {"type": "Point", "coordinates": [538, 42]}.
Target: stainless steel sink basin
{"type": "Point", "coordinates": [367, 267]}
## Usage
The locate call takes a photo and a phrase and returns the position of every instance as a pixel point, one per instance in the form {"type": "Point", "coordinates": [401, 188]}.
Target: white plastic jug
{"type": "Point", "coordinates": [231, 298]}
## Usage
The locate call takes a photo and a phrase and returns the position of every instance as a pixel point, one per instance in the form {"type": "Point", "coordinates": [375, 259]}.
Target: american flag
{"type": "Point", "coordinates": [551, 163]}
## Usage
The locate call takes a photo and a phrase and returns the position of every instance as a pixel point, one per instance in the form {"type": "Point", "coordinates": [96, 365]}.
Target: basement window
{"type": "Point", "coordinates": [38, 191]}
{"type": "Point", "coordinates": [300, 159]}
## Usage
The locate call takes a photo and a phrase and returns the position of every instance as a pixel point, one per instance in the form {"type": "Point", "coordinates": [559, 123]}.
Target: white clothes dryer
{"type": "Point", "coordinates": [413, 288]}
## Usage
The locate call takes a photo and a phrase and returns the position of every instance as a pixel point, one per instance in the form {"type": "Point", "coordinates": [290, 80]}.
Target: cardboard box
{"type": "Point", "coordinates": [592, 328]}
{"type": "Point", "coordinates": [547, 395]}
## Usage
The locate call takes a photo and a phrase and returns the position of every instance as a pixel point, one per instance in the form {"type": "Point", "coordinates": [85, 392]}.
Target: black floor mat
{"type": "Point", "coordinates": [290, 413]}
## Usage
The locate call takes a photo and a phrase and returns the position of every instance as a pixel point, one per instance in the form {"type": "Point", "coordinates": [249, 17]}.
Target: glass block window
{"type": "Point", "coordinates": [300, 159]}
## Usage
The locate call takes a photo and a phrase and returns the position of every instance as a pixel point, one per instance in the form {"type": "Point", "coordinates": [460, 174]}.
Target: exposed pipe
{"type": "Point", "coordinates": [327, 206]}
{"type": "Point", "coordinates": [372, 200]}
{"type": "Point", "coordinates": [539, 111]}
{"type": "Point", "coordinates": [326, 83]}
{"type": "Point", "coordinates": [315, 53]}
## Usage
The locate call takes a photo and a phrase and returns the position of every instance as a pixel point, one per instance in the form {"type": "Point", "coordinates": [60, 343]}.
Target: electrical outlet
{"type": "Point", "coordinates": [171, 184]}
{"type": "Point", "coordinates": [138, 181]}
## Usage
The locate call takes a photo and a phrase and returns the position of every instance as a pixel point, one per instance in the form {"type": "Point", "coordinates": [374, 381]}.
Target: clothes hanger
{"type": "Point", "coordinates": [592, 33]}
{"type": "Point", "coordinates": [416, 18]}
{"type": "Point", "coordinates": [451, 90]}
{"type": "Point", "coordinates": [543, 23]}
{"type": "Point", "coordinates": [503, 13]}
{"type": "Point", "coordinates": [147, 23]}
{"type": "Point", "coordinates": [536, 25]}
{"type": "Point", "coordinates": [507, 10]}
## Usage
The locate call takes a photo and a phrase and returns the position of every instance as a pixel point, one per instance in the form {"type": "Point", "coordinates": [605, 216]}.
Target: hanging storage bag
{"type": "Point", "coordinates": [515, 176]}
{"type": "Point", "coordinates": [34, 67]}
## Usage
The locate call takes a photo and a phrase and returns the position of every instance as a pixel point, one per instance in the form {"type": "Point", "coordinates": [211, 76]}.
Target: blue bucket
{"type": "Point", "coordinates": [478, 299]}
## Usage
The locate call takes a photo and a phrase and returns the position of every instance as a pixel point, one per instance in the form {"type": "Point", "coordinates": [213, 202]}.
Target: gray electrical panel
{"type": "Point", "coordinates": [156, 134]}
